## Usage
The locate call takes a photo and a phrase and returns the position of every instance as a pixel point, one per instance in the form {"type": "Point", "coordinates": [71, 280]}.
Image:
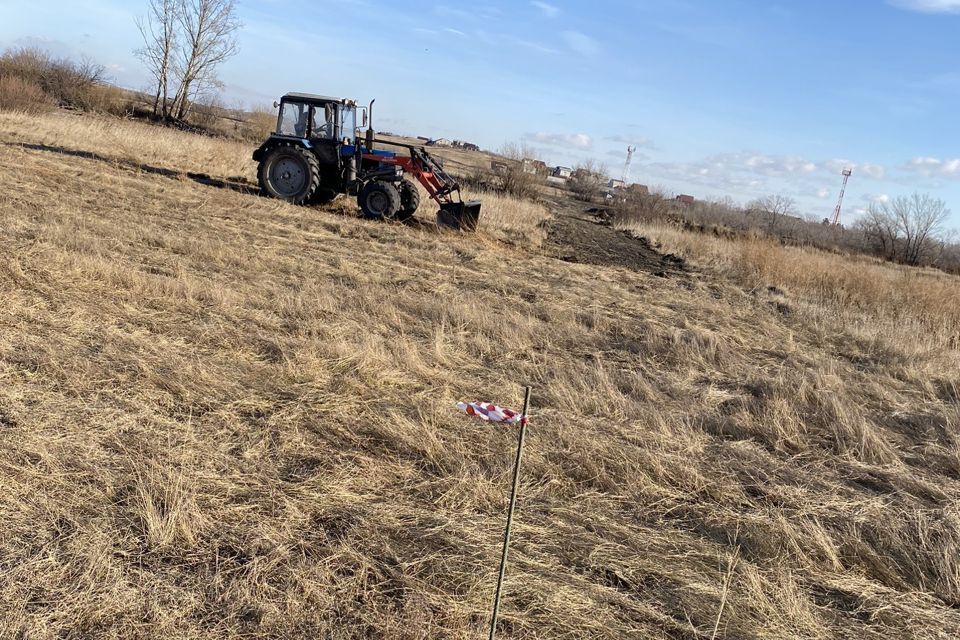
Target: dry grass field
{"type": "Point", "coordinates": [223, 416]}
{"type": "Point", "coordinates": [915, 310]}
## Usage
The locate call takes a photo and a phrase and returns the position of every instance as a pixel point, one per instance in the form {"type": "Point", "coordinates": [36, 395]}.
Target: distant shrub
{"type": "Point", "coordinates": [112, 100]}
{"type": "Point", "coordinates": [80, 85]}
{"type": "Point", "coordinates": [258, 124]}
{"type": "Point", "coordinates": [17, 94]}
{"type": "Point", "coordinates": [513, 174]}
{"type": "Point", "coordinates": [636, 206]}
{"type": "Point", "coordinates": [587, 181]}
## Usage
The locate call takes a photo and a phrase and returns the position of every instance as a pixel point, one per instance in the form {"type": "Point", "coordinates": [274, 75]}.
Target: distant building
{"type": "Point", "coordinates": [469, 146]}
{"type": "Point", "coordinates": [639, 189]}
{"type": "Point", "coordinates": [439, 142]}
{"type": "Point", "coordinates": [615, 184]}
{"type": "Point", "coordinates": [557, 182]}
{"type": "Point", "coordinates": [562, 172]}
{"type": "Point", "coordinates": [685, 199]}
{"type": "Point", "coordinates": [537, 167]}
{"type": "Point", "coordinates": [584, 173]}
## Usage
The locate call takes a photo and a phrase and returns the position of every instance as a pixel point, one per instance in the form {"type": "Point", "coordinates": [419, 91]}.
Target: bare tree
{"type": "Point", "coordinates": [727, 202]}
{"type": "Point", "coordinates": [773, 208]}
{"type": "Point", "coordinates": [159, 31]}
{"type": "Point", "coordinates": [517, 174]}
{"type": "Point", "coordinates": [906, 228]}
{"type": "Point", "coordinates": [880, 229]}
{"type": "Point", "coordinates": [209, 38]}
{"type": "Point", "coordinates": [588, 180]}
{"type": "Point", "coordinates": [920, 217]}
{"type": "Point", "coordinates": [638, 206]}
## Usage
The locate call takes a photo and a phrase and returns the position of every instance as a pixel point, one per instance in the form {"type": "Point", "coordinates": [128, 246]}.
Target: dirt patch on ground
{"type": "Point", "coordinates": [575, 235]}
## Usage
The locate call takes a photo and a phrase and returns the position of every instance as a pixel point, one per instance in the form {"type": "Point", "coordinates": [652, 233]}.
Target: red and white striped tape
{"type": "Point", "coordinates": [491, 412]}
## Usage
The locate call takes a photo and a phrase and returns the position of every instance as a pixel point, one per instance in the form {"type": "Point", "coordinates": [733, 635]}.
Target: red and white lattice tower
{"type": "Point", "coordinates": [835, 221]}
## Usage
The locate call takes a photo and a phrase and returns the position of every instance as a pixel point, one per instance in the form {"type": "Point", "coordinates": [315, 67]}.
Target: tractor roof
{"type": "Point", "coordinates": [310, 97]}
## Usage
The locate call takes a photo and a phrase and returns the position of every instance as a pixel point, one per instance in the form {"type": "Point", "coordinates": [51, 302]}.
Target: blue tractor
{"type": "Point", "coordinates": [317, 152]}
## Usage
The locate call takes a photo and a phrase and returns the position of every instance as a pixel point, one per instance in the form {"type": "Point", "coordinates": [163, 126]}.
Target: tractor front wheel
{"type": "Point", "coordinates": [289, 173]}
{"type": "Point", "coordinates": [409, 200]}
{"type": "Point", "coordinates": [379, 200]}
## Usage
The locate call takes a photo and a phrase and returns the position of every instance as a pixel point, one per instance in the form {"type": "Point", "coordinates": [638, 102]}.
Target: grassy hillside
{"type": "Point", "coordinates": [223, 416]}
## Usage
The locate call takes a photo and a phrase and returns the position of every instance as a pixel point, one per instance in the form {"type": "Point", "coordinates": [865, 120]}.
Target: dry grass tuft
{"type": "Point", "coordinates": [17, 94]}
{"type": "Point", "coordinates": [511, 219]}
{"type": "Point", "coordinates": [224, 416]}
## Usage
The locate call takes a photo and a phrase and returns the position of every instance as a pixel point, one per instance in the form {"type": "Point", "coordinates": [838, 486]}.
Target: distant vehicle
{"type": "Point", "coordinates": [317, 149]}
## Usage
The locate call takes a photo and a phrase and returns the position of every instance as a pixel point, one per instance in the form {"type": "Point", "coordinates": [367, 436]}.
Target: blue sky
{"type": "Point", "coordinates": [735, 98]}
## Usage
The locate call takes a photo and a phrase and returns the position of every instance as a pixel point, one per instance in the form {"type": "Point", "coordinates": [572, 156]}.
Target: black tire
{"type": "Point", "coordinates": [409, 200]}
{"type": "Point", "coordinates": [289, 173]}
{"type": "Point", "coordinates": [379, 200]}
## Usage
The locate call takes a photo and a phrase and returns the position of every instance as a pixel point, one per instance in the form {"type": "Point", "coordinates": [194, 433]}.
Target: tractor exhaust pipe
{"type": "Point", "coordinates": [369, 141]}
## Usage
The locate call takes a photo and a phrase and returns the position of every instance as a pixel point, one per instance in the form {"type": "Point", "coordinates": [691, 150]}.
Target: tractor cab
{"type": "Point", "coordinates": [319, 118]}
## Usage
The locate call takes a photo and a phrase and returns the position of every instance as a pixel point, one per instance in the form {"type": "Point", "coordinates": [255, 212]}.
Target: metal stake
{"type": "Point", "coordinates": [513, 503]}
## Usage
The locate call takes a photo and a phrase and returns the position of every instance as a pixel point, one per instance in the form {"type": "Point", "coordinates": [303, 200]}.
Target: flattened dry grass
{"type": "Point", "coordinates": [224, 416]}
{"type": "Point", "coordinates": [131, 144]}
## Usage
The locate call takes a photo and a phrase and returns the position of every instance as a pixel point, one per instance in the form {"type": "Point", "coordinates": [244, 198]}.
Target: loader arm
{"type": "Point", "coordinates": [441, 186]}
{"type": "Point", "coordinates": [425, 168]}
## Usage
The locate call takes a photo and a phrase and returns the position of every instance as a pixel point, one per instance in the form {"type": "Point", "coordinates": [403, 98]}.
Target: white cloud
{"type": "Point", "coordinates": [762, 164]}
{"type": "Point", "coordinates": [548, 9]}
{"type": "Point", "coordinates": [929, 6]}
{"type": "Point", "coordinates": [570, 140]}
{"type": "Point", "coordinates": [536, 46]}
{"type": "Point", "coordinates": [823, 193]}
{"type": "Point", "coordinates": [873, 170]}
{"type": "Point", "coordinates": [455, 32]}
{"type": "Point", "coordinates": [869, 169]}
{"type": "Point", "coordinates": [620, 156]}
{"type": "Point", "coordinates": [930, 167]}
{"type": "Point", "coordinates": [581, 43]}
{"type": "Point", "coordinates": [837, 165]}
{"type": "Point", "coordinates": [633, 141]}
{"type": "Point", "coordinates": [875, 198]}
{"type": "Point", "coordinates": [472, 14]}
{"type": "Point", "coordinates": [707, 174]}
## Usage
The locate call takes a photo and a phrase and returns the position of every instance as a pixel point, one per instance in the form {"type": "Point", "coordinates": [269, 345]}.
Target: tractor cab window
{"type": "Point", "coordinates": [293, 120]}
{"type": "Point", "coordinates": [324, 122]}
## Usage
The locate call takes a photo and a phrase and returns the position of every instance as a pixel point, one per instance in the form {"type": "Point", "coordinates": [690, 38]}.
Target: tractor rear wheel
{"type": "Point", "coordinates": [409, 200]}
{"type": "Point", "coordinates": [289, 173]}
{"type": "Point", "coordinates": [379, 200]}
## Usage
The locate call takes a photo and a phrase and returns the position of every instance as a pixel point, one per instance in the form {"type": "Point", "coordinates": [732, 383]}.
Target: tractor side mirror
{"type": "Point", "coordinates": [364, 118]}
{"type": "Point", "coordinates": [275, 104]}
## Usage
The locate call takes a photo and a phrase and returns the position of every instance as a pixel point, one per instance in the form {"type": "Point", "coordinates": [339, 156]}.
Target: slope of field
{"type": "Point", "coordinates": [223, 416]}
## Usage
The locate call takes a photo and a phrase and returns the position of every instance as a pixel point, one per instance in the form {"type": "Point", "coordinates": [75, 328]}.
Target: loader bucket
{"type": "Point", "coordinates": [459, 215]}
